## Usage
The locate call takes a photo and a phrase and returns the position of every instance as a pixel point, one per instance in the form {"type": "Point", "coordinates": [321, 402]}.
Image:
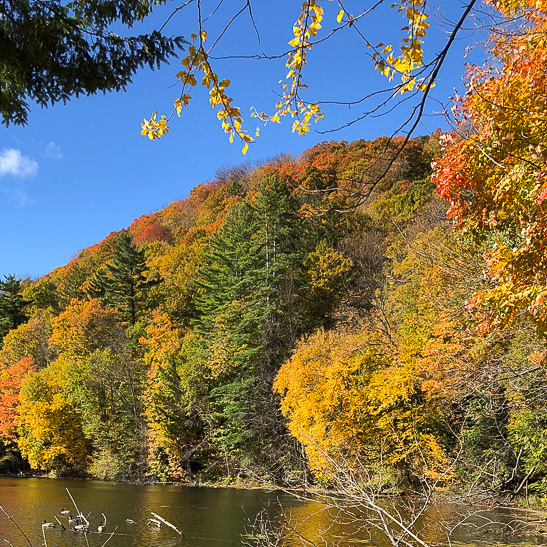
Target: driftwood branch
{"type": "Point", "coordinates": [524, 481]}
{"type": "Point", "coordinates": [18, 527]}
{"type": "Point", "coordinates": [167, 523]}
{"type": "Point", "coordinates": [109, 537]}
{"type": "Point", "coordinates": [80, 514]}
{"type": "Point", "coordinates": [60, 523]}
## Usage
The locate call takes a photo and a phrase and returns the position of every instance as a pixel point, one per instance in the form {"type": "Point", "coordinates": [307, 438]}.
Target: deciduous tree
{"type": "Point", "coordinates": [50, 432]}
{"type": "Point", "coordinates": [29, 340]}
{"type": "Point", "coordinates": [494, 177]}
{"type": "Point", "coordinates": [11, 379]}
{"type": "Point", "coordinates": [84, 327]}
{"type": "Point", "coordinates": [171, 412]}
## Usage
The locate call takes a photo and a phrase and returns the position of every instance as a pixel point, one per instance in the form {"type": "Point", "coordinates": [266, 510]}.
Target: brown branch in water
{"type": "Point", "coordinates": [167, 523]}
{"type": "Point", "coordinates": [15, 523]}
{"type": "Point", "coordinates": [109, 537]}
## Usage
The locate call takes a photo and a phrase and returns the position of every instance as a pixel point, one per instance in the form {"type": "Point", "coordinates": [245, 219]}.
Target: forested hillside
{"type": "Point", "coordinates": [275, 325]}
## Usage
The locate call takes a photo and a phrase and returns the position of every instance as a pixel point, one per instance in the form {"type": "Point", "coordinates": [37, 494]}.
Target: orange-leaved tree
{"type": "Point", "coordinates": [494, 170]}
{"type": "Point", "coordinates": [10, 386]}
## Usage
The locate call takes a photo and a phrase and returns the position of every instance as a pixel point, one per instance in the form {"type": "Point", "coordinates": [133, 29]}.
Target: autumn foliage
{"type": "Point", "coordinates": [493, 174]}
{"type": "Point", "coordinates": [277, 324]}
{"type": "Point", "coordinates": [10, 386]}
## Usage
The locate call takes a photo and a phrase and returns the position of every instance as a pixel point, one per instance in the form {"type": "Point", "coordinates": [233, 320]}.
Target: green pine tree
{"type": "Point", "coordinates": [125, 283]}
{"type": "Point", "coordinates": [96, 286]}
{"type": "Point", "coordinates": [247, 317]}
{"type": "Point", "coordinates": [12, 305]}
{"type": "Point", "coordinates": [52, 51]}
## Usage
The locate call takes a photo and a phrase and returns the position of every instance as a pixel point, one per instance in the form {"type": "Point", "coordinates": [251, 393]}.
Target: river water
{"type": "Point", "coordinates": [208, 517]}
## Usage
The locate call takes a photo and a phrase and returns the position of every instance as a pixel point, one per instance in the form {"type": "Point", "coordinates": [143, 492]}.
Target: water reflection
{"type": "Point", "coordinates": [220, 516]}
{"type": "Point", "coordinates": [207, 516]}
{"type": "Point", "coordinates": [440, 525]}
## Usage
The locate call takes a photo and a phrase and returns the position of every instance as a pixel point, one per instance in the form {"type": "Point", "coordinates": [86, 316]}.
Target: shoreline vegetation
{"type": "Point", "coordinates": [270, 330]}
{"type": "Point", "coordinates": [363, 325]}
{"type": "Point", "coordinates": [516, 504]}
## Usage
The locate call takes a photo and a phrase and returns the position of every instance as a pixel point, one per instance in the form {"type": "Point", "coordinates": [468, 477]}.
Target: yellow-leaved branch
{"type": "Point", "coordinates": [405, 66]}
{"type": "Point", "coordinates": [411, 55]}
{"type": "Point", "coordinates": [305, 29]}
{"type": "Point", "coordinates": [197, 62]}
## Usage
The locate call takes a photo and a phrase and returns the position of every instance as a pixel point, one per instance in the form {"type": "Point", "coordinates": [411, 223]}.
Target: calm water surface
{"type": "Point", "coordinates": [207, 516]}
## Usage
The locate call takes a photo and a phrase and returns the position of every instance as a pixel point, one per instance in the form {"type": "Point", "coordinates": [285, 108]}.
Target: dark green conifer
{"type": "Point", "coordinates": [52, 51]}
{"type": "Point", "coordinates": [247, 318]}
{"type": "Point", "coordinates": [126, 280]}
{"type": "Point", "coordinates": [12, 304]}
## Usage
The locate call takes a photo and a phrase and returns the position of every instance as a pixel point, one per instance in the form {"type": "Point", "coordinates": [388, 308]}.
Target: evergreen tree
{"type": "Point", "coordinates": [125, 280]}
{"type": "Point", "coordinates": [95, 287]}
{"type": "Point", "coordinates": [247, 319]}
{"type": "Point", "coordinates": [52, 51]}
{"type": "Point", "coordinates": [12, 304]}
{"type": "Point", "coordinates": [229, 323]}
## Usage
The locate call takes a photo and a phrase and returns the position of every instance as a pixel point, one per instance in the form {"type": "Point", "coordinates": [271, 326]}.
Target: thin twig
{"type": "Point", "coordinates": [109, 537]}
{"type": "Point", "coordinates": [18, 527]}
{"type": "Point", "coordinates": [419, 109]}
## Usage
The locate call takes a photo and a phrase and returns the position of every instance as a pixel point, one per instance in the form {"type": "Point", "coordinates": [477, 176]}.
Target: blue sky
{"type": "Point", "coordinates": [78, 171]}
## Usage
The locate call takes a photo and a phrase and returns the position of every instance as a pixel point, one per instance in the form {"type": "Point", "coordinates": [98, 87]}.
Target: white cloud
{"type": "Point", "coordinates": [12, 162]}
{"type": "Point", "coordinates": [52, 151]}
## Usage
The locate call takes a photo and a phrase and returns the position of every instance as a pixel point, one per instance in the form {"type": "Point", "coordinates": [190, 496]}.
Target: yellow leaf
{"type": "Point", "coordinates": [245, 148]}
{"type": "Point", "coordinates": [339, 16]}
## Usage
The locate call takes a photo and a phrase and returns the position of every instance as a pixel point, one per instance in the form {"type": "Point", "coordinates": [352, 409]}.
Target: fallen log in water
{"type": "Point", "coordinates": [167, 523]}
